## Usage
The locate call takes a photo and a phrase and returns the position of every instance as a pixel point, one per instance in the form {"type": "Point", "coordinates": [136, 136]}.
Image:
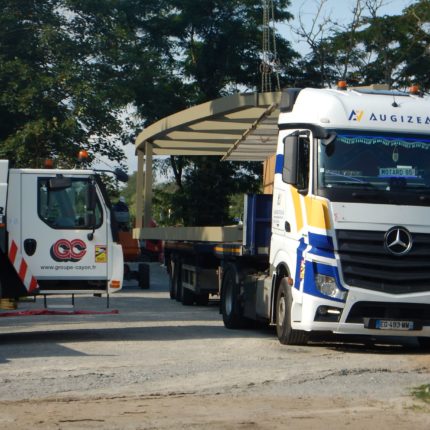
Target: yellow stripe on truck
{"type": "Point", "coordinates": [317, 213]}
{"type": "Point", "coordinates": [297, 208]}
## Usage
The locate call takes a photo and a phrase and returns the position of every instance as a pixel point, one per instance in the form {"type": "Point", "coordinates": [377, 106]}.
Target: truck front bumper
{"type": "Point", "coordinates": [363, 311]}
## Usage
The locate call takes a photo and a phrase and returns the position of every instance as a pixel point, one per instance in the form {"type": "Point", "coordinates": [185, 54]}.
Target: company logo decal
{"type": "Point", "coordinates": [358, 115]}
{"type": "Point", "coordinates": [68, 250]}
{"type": "Point", "coordinates": [398, 241]}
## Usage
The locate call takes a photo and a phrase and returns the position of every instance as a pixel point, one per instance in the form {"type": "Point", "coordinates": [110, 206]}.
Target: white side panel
{"type": "Point", "coordinates": [116, 268]}
{"type": "Point", "coordinates": [4, 164]}
{"type": "Point", "coordinates": [13, 205]}
{"type": "Point", "coordinates": [60, 253]}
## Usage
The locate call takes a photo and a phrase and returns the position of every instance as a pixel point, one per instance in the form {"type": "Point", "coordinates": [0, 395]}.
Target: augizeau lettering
{"type": "Point", "coordinates": [409, 119]}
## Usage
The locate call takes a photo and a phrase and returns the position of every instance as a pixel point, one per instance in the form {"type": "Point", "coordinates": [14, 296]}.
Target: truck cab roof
{"type": "Point", "coordinates": [364, 109]}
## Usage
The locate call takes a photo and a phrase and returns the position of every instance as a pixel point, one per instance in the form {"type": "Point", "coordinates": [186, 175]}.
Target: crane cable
{"type": "Point", "coordinates": [270, 61]}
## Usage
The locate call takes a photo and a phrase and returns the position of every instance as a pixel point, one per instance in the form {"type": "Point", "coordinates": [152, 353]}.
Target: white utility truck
{"type": "Point", "coordinates": [343, 243]}
{"type": "Point", "coordinates": [56, 233]}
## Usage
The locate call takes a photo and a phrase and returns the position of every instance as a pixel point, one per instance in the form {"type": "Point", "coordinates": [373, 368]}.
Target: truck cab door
{"type": "Point", "coordinates": [290, 187]}
{"type": "Point", "coordinates": [64, 235]}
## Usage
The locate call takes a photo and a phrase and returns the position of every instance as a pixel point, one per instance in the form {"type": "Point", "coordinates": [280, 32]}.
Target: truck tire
{"type": "Point", "coordinates": [127, 272]}
{"type": "Point", "coordinates": [175, 282]}
{"type": "Point", "coordinates": [188, 297]}
{"type": "Point", "coordinates": [177, 278]}
{"type": "Point", "coordinates": [173, 279]}
{"type": "Point", "coordinates": [144, 276]}
{"type": "Point", "coordinates": [231, 309]}
{"type": "Point", "coordinates": [284, 302]}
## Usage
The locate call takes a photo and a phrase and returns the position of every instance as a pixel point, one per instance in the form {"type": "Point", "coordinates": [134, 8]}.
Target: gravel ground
{"type": "Point", "coordinates": [158, 364]}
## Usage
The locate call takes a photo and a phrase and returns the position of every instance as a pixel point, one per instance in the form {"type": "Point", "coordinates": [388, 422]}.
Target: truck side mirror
{"type": "Point", "coordinates": [290, 167]}
{"type": "Point", "coordinates": [91, 197]}
{"type": "Point", "coordinates": [120, 175]}
{"type": "Point", "coordinates": [330, 139]}
{"type": "Point", "coordinates": [91, 208]}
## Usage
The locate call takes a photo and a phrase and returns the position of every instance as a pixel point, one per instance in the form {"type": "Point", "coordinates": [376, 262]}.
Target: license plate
{"type": "Point", "coordinates": [394, 325]}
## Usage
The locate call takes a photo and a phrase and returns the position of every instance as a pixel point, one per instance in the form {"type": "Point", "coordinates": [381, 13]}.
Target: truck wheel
{"type": "Point", "coordinates": [173, 279]}
{"type": "Point", "coordinates": [284, 302]}
{"type": "Point", "coordinates": [178, 283]}
{"type": "Point", "coordinates": [144, 276]}
{"type": "Point", "coordinates": [232, 313]}
{"type": "Point", "coordinates": [171, 272]}
{"type": "Point", "coordinates": [127, 272]}
{"type": "Point", "coordinates": [188, 297]}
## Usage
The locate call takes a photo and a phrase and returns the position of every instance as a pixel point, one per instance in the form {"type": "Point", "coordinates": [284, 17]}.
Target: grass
{"type": "Point", "coordinates": [422, 393]}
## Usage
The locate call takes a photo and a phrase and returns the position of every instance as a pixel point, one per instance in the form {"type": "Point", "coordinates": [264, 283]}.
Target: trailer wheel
{"type": "Point", "coordinates": [284, 302]}
{"type": "Point", "coordinates": [232, 313]}
{"type": "Point", "coordinates": [173, 279]}
{"type": "Point", "coordinates": [144, 276]}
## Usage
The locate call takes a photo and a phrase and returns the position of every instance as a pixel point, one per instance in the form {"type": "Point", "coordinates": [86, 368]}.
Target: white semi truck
{"type": "Point", "coordinates": [56, 233]}
{"type": "Point", "coordinates": [350, 245]}
{"type": "Point", "coordinates": [343, 243]}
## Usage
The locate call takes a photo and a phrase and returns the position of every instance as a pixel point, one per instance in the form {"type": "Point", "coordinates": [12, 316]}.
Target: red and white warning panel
{"type": "Point", "coordinates": [21, 267]}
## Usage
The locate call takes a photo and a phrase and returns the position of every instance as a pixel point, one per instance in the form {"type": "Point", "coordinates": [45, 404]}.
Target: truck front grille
{"type": "Point", "coordinates": [365, 263]}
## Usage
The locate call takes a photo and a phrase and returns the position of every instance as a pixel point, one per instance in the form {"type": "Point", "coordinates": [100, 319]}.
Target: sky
{"type": "Point", "coordinates": [340, 10]}
{"type": "Point", "coordinates": [337, 9]}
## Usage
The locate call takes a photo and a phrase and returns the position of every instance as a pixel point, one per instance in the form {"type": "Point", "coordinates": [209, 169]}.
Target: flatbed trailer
{"type": "Point", "coordinates": [196, 267]}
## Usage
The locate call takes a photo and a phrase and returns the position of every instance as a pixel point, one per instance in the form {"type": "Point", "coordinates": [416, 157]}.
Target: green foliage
{"type": "Point", "coordinates": [387, 49]}
{"type": "Point", "coordinates": [128, 191]}
{"type": "Point", "coordinates": [422, 392]}
{"type": "Point", "coordinates": [220, 42]}
{"type": "Point", "coordinates": [162, 210]}
{"type": "Point", "coordinates": [70, 68]}
{"type": "Point", "coordinates": [218, 45]}
{"type": "Point", "coordinates": [58, 90]}
{"type": "Point", "coordinates": [206, 192]}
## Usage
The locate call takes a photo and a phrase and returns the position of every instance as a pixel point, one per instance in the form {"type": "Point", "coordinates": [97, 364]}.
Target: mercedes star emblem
{"type": "Point", "coordinates": [398, 241]}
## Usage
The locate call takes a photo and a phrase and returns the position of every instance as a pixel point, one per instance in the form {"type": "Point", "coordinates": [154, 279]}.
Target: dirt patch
{"type": "Point", "coordinates": [214, 412]}
{"type": "Point", "coordinates": [160, 365]}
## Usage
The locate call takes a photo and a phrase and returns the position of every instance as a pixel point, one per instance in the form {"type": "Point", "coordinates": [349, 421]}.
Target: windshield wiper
{"type": "Point", "coordinates": [354, 184]}
{"type": "Point", "coordinates": [361, 194]}
{"type": "Point", "coordinates": [422, 191]}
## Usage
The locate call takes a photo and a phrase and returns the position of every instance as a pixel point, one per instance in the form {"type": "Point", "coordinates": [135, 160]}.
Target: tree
{"type": "Point", "coordinates": [72, 67]}
{"type": "Point", "coordinates": [218, 45]}
{"type": "Point", "coordinates": [220, 42]}
{"type": "Point", "coordinates": [58, 95]}
{"type": "Point", "coordinates": [208, 188]}
{"type": "Point", "coordinates": [413, 46]}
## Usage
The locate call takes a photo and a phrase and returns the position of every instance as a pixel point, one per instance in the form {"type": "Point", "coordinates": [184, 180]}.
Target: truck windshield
{"type": "Point", "coordinates": [68, 207]}
{"type": "Point", "coordinates": [375, 165]}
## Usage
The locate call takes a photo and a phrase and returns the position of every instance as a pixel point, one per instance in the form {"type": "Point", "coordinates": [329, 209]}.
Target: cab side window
{"type": "Point", "coordinates": [66, 208]}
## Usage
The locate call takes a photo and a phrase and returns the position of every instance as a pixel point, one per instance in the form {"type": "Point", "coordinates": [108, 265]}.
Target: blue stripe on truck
{"type": "Point", "coordinates": [279, 164]}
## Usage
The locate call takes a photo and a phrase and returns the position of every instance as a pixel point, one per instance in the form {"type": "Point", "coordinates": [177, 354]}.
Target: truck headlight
{"type": "Point", "coordinates": [327, 285]}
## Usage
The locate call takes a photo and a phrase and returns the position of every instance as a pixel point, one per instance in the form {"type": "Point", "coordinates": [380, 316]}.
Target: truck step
{"type": "Point", "coordinates": [53, 307]}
